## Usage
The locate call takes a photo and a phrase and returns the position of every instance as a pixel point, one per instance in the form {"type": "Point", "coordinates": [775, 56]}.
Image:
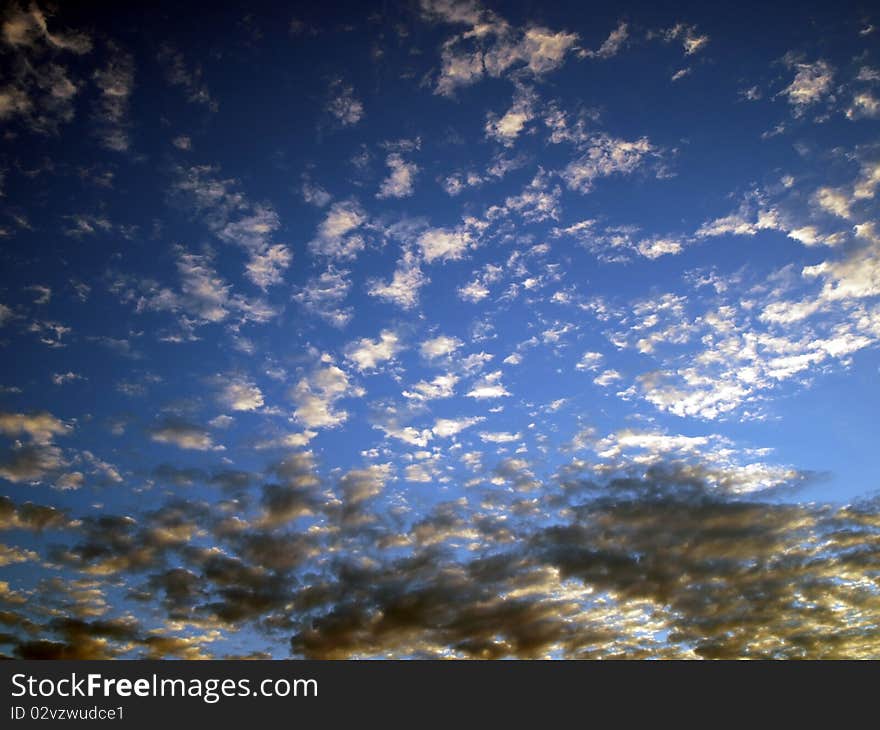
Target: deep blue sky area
{"type": "Point", "coordinates": [439, 329]}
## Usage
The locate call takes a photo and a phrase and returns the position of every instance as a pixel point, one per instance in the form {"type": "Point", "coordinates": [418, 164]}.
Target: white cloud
{"type": "Point", "coordinates": [864, 105]}
{"type": "Point", "coordinates": [41, 428]}
{"type": "Point", "coordinates": [506, 128]}
{"type": "Point", "coordinates": [315, 396]}
{"type": "Point", "coordinates": [182, 434]}
{"type": "Point", "coordinates": [492, 47]}
{"type": "Point", "coordinates": [489, 386]}
{"type": "Point", "coordinates": [115, 82]}
{"type": "Point", "coordinates": [443, 243]}
{"type": "Point", "coordinates": [612, 44]}
{"type": "Point", "coordinates": [812, 82]}
{"type": "Point", "coordinates": [447, 427]}
{"type": "Point", "coordinates": [607, 377]}
{"type": "Point", "coordinates": [440, 346]}
{"type": "Point", "coordinates": [238, 393]}
{"type": "Point", "coordinates": [400, 182]}
{"type": "Point", "coordinates": [474, 291]}
{"type": "Point", "coordinates": [406, 281]}
{"type": "Point", "coordinates": [343, 105]}
{"type": "Point", "coordinates": [590, 361]}
{"type": "Point", "coordinates": [367, 354]}
{"type": "Point", "coordinates": [605, 156]}
{"type": "Point", "coordinates": [339, 235]}
{"type": "Point", "coordinates": [323, 295]}
{"type": "Point", "coordinates": [690, 38]}
{"type": "Point", "coordinates": [443, 386]}
{"type": "Point", "coordinates": [499, 437]}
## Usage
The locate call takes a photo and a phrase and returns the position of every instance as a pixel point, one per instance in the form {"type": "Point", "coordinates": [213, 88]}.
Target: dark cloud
{"type": "Point", "coordinates": [661, 564]}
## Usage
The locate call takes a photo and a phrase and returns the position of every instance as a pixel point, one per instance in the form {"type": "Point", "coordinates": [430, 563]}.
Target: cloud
{"type": "Point", "coordinates": [315, 396]}
{"type": "Point", "coordinates": [499, 437]}
{"type": "Point", "coordinates": [400, 182]}
{"type": "Point", "coordinates": [443, 386]}
{"type": "Point", "coordinates": [864, 105]}
{"type": "Point", "coordinates": [538, 201]}
{"type": "Point", "coordinates": [506, 128]}
{"type": "Point", "coordinates": [343, 106]}
{"type": "Point", "coordinates": [38, 88]}
{"type": "Point", "coordinates": [605, 156]}
{"type": "Point", "coordinates": [440, 346]}
{"type": "Point", "coordinates": [32, 517]}
{"type": "Point", "coordinates": [190, 79]}
{"type": "Point", "coordinates": [690, 38]}
{"type": "Point", "coordinates": [236, 221]}
{"type": "Point", "coordinates": [33, 462]}
{"type": "Point", "coordinates": [324, 294]}
{"type": "Point", "coordinates": [489, 386]}
{"type": "Point", "coordinates": [406, 281]}
{"type": "Point", "coordinates": [29, 28]}
{"type": "Point", "coordinates": [238, 393]}
{"type": "Point", "coordinates": [447, 427]}
{"type": "Point", "coordinates": [367, 354]}
{"type": "Point", "coordinates": [812, 82]}
{"type": "Point", "coordinates": [115, 82]}
{"type": "Point", "coordinates": [443, 243]}
{"type": "Point", "coordinates": [492, 47]}
{"type": "Point", "coordinates": [183, 434]}
{"type": "Point", "coordinates": [41, 427]}
{"type": "Point", "coordinates": [612, 44]}
{"type": "Point", "coordinates": [340, 234]}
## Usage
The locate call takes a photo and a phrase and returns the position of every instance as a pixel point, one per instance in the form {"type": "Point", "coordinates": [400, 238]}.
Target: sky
{"type": "Point", "coordinates": [439, 329]}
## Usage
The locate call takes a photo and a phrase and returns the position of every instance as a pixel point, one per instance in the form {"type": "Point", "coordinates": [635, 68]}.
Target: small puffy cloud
{"type": "Point", "coordinates": [314, 194]}
{"type": "Point", "coordinates": [691, 39]}
{"type": "Point", "coordinates": [266, 267]}
{"type": "Point", "coordinates": [443, 386]}
{"type": "Point", "coordinates": [400, 182]}
{"type": "Point", "coordinates": [358, 485]}
{"type": "Point", "coordinates": [323, 295]}
{"type": "Point", "coordinates": [604, 156]}
{"type": "Point", "coordinates": [343, 105]}
{"type": "Point", "coordinates": [315, 397]}
{"type": "Point", "coordinates": [654, 248]}
{"type": "Point", "coordinates": [494, 48]}
{"type": "Point", "coordinates": [406, 281]}
{"type": "Point", "coordinates": [32, 462]}
{"type": "Point", "coordinates": [440, 346]}
{"type": "Point", "coordinates": [499, 437]}
{"type": "Point", "coordinates": [489, 386]}
{"type": "Point", "coordinates": [506, 128]}
{"type": "Point", "coordinates": [443, 243]}
{"type": "Point", "coordinates": [27, 28]}
{"type": "Point", "coordinates": [448, 427]}
{"type": "Point", "coordinates": [41, 428]}
{"type": "Point", "coordinates": [339, 235]}
{"type": "Point", "coordinates": [238, 393]}
{"type": "Point", "coordinates": [607, 377]}
{"type": "Point", "coordinates": [183, 434]}
{"type": "Point", "coordinates": [538, 201]}
{"type": "Point", "coordinates": [115, 81]}
{"type": "Point", "coordinates": [367, 354]}
{"type": "Point", "coordinates": [812, 82]}
{"type": "Point", "coordinates": [612, 44]}
{"type": "Point", "coordinates": [864, 105]}
{"type": "Point", "coordinates": [474, 291]}
{"type": "Point", "coordinates": [590, 361]}
{"type": "Point", "coordinates": [68, 377]}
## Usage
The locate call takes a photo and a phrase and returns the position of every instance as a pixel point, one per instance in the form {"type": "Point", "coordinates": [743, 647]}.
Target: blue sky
{"type": "Point", "coordinates": [438, 329]}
